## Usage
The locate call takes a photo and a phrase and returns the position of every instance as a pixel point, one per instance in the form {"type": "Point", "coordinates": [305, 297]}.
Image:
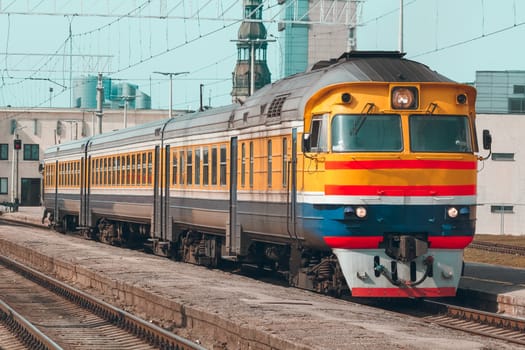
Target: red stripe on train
{"type": "Point", "coordinates": [415, 191]}
{"type": "Point", "coordinates": [404, 292]}
{"type": "Point", "coordinates": [401, 164]}
{"type": "Point", "coordinates": [361, 242]}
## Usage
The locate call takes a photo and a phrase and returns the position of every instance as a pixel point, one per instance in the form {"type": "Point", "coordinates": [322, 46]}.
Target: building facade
{"type": "Point", "coordinates": [501, 178]}
{"type": "Point", "coordinates": [36, 129]}
{"type": "Point", "coordinates": [328, 33]}
{"type": "Point", "coordinates": [500, 92]}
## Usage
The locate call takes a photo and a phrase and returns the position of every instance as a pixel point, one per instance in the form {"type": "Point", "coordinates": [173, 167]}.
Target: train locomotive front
{"type": "Point", "coordinates": [358, 174]}
{"type": "Point", "coordinates": [390, 179]}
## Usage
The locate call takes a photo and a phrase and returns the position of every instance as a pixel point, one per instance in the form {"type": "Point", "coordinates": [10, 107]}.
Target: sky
{"type": "Point", "coordinates": [455, 38]}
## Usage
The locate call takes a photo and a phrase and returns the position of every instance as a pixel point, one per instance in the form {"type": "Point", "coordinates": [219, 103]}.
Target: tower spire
{"type": "Point", "coordinates": [251, 70]}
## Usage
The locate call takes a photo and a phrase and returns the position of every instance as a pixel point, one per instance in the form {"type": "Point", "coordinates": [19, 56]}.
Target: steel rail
{"type": "Point", "coordinates": [155, 335]}
{"type": "Point", "coordinates": [479, 322]}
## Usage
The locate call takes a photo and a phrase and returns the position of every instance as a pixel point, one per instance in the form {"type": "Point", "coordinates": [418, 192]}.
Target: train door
{"type": "Point", "coordinates": [161, 190]}
{"type": "Point", "coordinates": [291, 221]}
{"type": "Point", "coordinates": [156, 229]}
{"type": "Point", "coordinates": [85, 177]}
{"type": "Point", "coordinates": [234, 242]}
{"type": "Point", "coordinates": [161, 225]}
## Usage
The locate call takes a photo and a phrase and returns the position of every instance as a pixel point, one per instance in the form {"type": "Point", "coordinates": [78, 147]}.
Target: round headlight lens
{"type": "Point", "coordinates": [360, 212]}
{"type": "Point", "coordinates": [452, 212]}
{"type": "Point", "coordinates": [404, 98]}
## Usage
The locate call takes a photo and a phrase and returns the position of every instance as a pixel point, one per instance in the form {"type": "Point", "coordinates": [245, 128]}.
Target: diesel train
{"type": "Point", "coordinates": [357, 175]}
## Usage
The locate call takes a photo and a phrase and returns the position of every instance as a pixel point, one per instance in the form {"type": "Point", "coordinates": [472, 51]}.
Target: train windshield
{"type": "Point", "coordinates": [366, 133]}
{"type": "Point", "coordinates": [440, 133]}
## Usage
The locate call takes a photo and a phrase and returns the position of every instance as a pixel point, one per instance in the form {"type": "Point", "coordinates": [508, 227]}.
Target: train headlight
{"type": "Point", "coordinates": [360, 212]}
{"type": "Point", "coordinates": [452, 212]}
{"type": "Point", "coordinates": [404, 97]}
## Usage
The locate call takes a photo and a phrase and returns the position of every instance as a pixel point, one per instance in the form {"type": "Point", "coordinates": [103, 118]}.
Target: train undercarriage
{"type": "Point", "coordinates": [300, 267]}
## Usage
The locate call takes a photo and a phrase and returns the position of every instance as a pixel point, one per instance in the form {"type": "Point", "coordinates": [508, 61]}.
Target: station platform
{"type": "Point", "coordinates": [498, 288]}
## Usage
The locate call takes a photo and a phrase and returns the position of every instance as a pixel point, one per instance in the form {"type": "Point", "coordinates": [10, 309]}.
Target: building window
{"type": "Point", "coordinates": [4, 151]}
{"type": "Point", "coordinates": [31, 152]}
{"type": "Point", "coordinates": [502, 209]}
{"type": "Point", "coordinates": [3, 185]}
{"type": "Point", "coordinates": [516, 105]}
{"type": "Point", "coordinates": [519, 89]}
{"type": "Point", "coordinates": [503, 156]}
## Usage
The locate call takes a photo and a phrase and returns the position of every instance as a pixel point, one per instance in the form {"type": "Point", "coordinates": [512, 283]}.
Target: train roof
{"type": "Point", "coordinates": [285, 98]}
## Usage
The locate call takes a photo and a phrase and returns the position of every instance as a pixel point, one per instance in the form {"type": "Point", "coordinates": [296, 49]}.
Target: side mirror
{"type": "Point", "coordinates": [487, 139]}
{"type": "Point", "coordinates": [306, 143]}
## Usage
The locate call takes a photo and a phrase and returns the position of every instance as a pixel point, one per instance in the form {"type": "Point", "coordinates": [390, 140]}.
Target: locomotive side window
{"type": "Point", "coordinates": [439, 133]}
{"type": "Point", "coordinates": [318, 133]}
{"type": "Point", "coordinates": [366, 133]}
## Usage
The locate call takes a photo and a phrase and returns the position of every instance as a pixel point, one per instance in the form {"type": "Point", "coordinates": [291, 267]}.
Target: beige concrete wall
{"type": "Point", "coordinates": [502, 182]}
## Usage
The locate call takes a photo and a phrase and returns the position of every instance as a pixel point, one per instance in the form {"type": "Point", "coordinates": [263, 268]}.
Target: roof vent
{"type": "Point", "coordinates": [274, 111]}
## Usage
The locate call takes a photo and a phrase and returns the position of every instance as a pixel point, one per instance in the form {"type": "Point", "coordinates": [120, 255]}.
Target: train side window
{"type": "Point", "coordinates": [251, 164]}
{"type": "Point", "coordinates": [119, 170]}
{"type": "Point", "coordinates": [223, 165]}
{"type": "Point", "coordinates": [105, 174]}
{"type": "Point", "coordinates": [205, 167]}
{"type": "Point", "coordinates": [285, 163]}
{"type": "Point", "coordinates": [144, 168]}
{"type": "Point", "coordinates": [189, 167]}
{"type": "Point", "coordinates": [128, 169]}
{"type": "Point", "coordinates": [110, 170]}
{"type": "Point", "coordinates": [133, 169]}
{"type": "Point", "coordinates": [214, 166]}
{"type": "Point", "coordinates": [140, 172]}
{"type": "Point", "coordinates": [93, 172]}
{"type": "Point", "coordinates": [243, 165]}
{"type": "Point", "coordinates": [150, 168]}
{"type": "Point", "coordinates": [269, 160]}
{"type": "Point", "coordinates": [174, 167]}
{"type": "Point", "coordinates": [318, 131]}
{"type": "Point", "coordinates": [198, 166]}
{"type": "Point", "coordinates": [181, 167]}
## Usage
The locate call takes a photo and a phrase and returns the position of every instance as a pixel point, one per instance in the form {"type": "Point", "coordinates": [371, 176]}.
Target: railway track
{"type": "Point", "coordinates": [498, 248]}
{"type": "Point", "coordinates": [487, 324]}
{"type": "Point", "coordinates": [43, 313]}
